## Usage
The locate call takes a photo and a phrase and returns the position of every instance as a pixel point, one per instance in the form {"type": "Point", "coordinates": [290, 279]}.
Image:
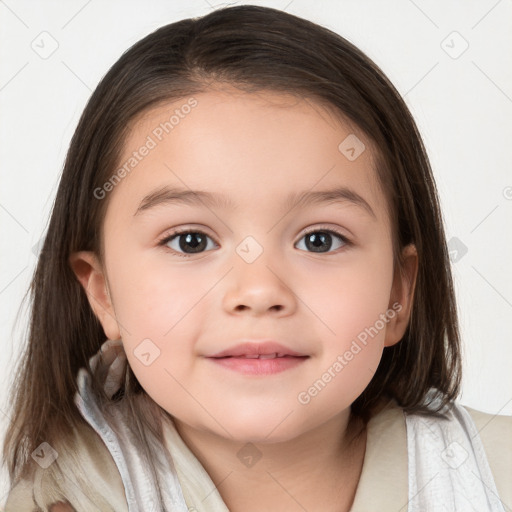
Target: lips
{"type": "Point", "coordinates": [258, 358]}
{"type": "Point", "coordinates": [258, 350]}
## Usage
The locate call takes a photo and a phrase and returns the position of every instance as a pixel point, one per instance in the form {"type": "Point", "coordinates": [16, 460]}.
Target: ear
{"type": "Point", "coordinates": [402, 296]}
{"type": "Point", "coordinates": [89, 272]}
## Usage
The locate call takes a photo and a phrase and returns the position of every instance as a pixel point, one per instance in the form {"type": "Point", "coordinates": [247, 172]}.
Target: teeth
{"type": "Point", "coordinates": [268, 356]}
{"type": "Point", "coordinates": [263, 356]}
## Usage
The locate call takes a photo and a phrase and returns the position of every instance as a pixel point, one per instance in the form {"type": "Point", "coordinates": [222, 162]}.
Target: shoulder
{"type": "Point", "coordinates": [495, 431]}
{"type": "Point", "coordinates": [85, 458]}
{"type": "Point", "coordinates": [21, 498]}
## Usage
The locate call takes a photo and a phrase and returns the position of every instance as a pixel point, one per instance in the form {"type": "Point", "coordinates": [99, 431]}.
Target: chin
{"type": "Point", "coordinates": [264, 427]}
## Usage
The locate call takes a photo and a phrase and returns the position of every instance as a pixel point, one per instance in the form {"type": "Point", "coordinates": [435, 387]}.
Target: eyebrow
{"type": "Point", "coordinates": [171, 195]}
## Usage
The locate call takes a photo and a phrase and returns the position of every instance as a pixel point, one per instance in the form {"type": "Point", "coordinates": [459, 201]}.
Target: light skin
{"type": "Point", "coordinates": [256, 149]}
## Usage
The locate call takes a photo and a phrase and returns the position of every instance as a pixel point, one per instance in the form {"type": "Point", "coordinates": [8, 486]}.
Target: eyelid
{"type": "Point", "coordinates": [319, 227]}
{"type": "Point", "coordinates": [167, 236]}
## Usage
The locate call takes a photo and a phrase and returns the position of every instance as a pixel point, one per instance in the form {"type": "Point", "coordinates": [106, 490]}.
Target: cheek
{"type": "Point", "coordinates": [151, 296]}
{"type": "Point", "coordinates": [350, 353]}
{"type": "Point", "coordinates": [157, 313]}
{"type": "Point", "coordinates": [349, 297]}
{"type": "Point", "coordinates": [351, 303]}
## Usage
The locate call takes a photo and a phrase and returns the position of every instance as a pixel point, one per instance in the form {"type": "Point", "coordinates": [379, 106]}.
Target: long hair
{"type": "Point", "coordinates": [254, 49]}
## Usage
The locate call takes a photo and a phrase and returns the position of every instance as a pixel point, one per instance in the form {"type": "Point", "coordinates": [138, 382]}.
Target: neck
{"type": "Point", "coordinates": [322, 465]}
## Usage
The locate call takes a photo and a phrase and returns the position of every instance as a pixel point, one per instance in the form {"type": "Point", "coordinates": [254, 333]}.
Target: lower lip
{"type": "Point", "coordinates": [253, 366]}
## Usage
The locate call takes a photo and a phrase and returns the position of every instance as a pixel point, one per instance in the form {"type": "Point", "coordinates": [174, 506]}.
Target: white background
{"type": "Point", "coordinates": [463, 107]}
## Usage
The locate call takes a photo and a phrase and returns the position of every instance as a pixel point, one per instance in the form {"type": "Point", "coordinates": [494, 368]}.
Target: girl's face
{"type": "Point", "coordinates": [316, 277]}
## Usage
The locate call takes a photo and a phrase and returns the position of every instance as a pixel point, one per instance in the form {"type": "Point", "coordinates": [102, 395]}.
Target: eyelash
{"type": "Point", "coordinates": [168, 237]}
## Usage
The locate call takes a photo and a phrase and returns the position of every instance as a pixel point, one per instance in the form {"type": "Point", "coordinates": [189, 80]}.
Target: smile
{"type": "Point", "coordinates": [262, 364]}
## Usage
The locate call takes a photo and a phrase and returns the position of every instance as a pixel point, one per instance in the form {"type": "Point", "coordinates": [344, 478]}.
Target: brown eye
{"type": "Point", "coordinates": [321, 241]}
{"type": "Point", "coordinates": [188, 242]}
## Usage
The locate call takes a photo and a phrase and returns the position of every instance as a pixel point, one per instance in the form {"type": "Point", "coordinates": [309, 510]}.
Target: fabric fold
{"type": "Point", "coordinates": [448, 467]}
{"type": "Point", "coordinates": [150, 479]}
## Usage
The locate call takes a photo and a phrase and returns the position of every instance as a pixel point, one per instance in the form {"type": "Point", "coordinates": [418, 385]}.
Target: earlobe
{"type": "Point", "coordinates": [402, 296]}
{"type": "Point", "coordinates": [91, 276]}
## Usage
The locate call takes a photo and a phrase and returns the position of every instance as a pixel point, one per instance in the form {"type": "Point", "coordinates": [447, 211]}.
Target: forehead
{"type": "Point", "coordinates": [254, 148]}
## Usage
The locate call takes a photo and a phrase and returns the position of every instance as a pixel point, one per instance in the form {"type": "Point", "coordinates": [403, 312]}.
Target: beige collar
{"type": "Point", "coordinates": [383, 483]}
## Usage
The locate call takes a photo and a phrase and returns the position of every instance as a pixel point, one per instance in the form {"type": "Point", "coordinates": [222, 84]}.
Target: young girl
{"type": "Point", "coordinates": [244, 299]}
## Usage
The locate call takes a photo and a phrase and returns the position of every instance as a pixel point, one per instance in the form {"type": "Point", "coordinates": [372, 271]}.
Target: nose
{"type": "Point", "coordinates": [257, 289]}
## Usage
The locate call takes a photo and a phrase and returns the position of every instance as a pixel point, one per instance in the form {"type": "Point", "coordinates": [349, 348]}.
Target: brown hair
{"type": "Point", "coordinates": [254, 49]}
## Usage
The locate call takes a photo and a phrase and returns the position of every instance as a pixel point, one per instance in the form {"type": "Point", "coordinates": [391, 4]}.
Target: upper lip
{"type": "Point", "coordinates": [255, 348]}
